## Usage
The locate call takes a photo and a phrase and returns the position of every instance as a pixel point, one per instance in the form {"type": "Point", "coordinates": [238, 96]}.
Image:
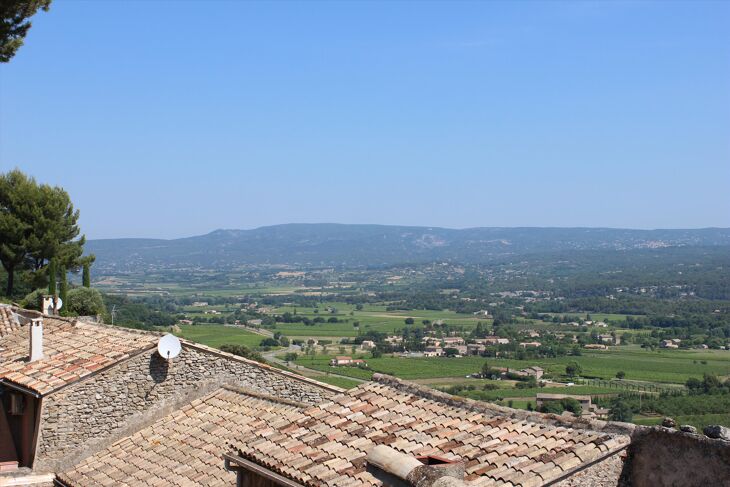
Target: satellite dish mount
{"type": "Point", "coordinates": [169, 347]}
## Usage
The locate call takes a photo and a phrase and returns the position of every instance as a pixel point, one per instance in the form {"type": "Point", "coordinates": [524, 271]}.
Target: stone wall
{"type": "Point", "coordinates": [602, 474]}
{"type": "Point", "coordinates": [659, 457]}
{"type": "Point", "coordinates": [89, 415]}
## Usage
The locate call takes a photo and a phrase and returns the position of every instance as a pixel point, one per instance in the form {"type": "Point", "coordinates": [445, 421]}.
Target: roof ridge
{"type": "Point", "coordinates": [74, 320]}
{"type": "Point", "coordinates": [136, 331]}
{"type": "Point", "coordinates": [613, 427]}
{"type": "Point", "coordinates": [263, 396]}
{"type": "Point", "coordinates": [261, 365]}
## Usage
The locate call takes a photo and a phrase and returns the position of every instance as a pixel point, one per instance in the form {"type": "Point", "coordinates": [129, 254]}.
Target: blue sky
{"type": "Point", "coordinates": [168, 119]}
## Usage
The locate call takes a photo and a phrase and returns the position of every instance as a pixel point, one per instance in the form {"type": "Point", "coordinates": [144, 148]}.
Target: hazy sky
{"type": "Point", "coordinates": [174, 118]}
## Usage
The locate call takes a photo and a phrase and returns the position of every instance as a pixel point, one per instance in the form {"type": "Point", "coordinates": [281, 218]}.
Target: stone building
{"type": "Point", "coordinates": [288, 443]}
{"type": "Point", "coordinates": [95, 384]}
{"type": "Point", "coordinates": [98, 406]}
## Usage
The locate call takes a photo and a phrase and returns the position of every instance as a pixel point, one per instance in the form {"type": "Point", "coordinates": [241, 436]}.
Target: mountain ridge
{"type": "Point", "coordinates": [339, 244]}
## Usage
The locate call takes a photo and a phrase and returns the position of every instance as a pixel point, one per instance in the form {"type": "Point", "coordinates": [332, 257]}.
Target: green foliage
{"type": "Point", "coordinates": [710, 384]}
{"type": "Point", "coordinates": [269, 342]}
{"type": "Point", "coordinates": [338, 381]}
{"type": "Point", "coordinates": [485, 371]}
{"type": "Point", "coordinates": [37, 223]}
{"type": "Point", "coordinates": [52, 275]}
{"type": "Point", "coordinates": [553, 407]}
{"type": "Point", "coordinates": [698, 408]}
{"type": "Point", "coordinates": [14, 24]}
{"type": "Point", "coordinates": [529, 383]}
{"type": "Point", "coordinates": [137, 313]}
{"type": "Point", "coordinates": [85, 302]}
{"type": "Point", "coordinates": [565, 404]}
{"type": "Point", "coordinates": [242, 351]}
{"type": "Point", "coordinates": [451, 352]}
{"type": "Point", "coordinates": [32, 300]}
{"type": "Point", "coordinates": [620, 374]}
{"type": "Point", "coordinates": [620, 411]}
{"type": "Point", "coordinates": [572, 405]}
{"type": "Point", "coordinates": [86, 279]}
{"type": "Point", "coordinates": [63, 293]}
{"type": "Point", "coordinates": [291, 356]}
{"type": "Point", "coordinates": [217, 335]}
{"type": "Point", "coordinates": [409, 321]}
{"type": "Point", "coordinates": [573, 369]}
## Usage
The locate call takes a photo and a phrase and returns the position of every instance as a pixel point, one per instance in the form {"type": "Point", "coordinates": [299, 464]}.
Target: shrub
{"type": "Point", "coordinates": [573, 369]}
{"type": "Point", "coordinates": [553, 407]}
{"type": "Point", "coordinates": [84, 301]}
{"type": "Point", "coordinates": [620, 411]}
{"type": "Point", "coordinates": [269, 342]}
{"type": "Point", "coordinates": [565, 404]}
{"type": "Point", "coordinates": [290, 356]}
{"type": "Point", "coordinates": [32, 300]}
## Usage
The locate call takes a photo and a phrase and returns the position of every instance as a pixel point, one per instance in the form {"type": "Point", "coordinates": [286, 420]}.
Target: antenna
{"type": "Point", "coordinates": [169, 347]}
{"type": "Point", "coordinates": [114, 312]}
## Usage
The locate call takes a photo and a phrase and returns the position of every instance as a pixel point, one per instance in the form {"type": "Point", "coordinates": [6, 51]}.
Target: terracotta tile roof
{"type": "Point", "coordinates": [9, 322]}
{"type": "Point", "coordinates": [326, 445]}
{"type": "Point", "coordinates": [72, 350]}
{"type": "Point", "coordinates": [185, 447]}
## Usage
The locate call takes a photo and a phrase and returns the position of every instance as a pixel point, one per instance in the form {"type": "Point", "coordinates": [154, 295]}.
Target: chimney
{"type": "Point", "coordinates": [48, 305]}
{"type": "Point", "coordinates": [36, 339]}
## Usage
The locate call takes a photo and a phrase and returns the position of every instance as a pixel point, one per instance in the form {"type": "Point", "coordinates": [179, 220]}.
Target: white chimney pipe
{"type": "Point", "coordinates": [36, 339]}
{"type": "Point", "coordinates": [47, 306]}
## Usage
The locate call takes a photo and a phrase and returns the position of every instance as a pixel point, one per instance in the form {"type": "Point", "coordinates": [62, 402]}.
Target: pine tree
{"type": "Point", "coordinates": [87, 275]}
{"type": "Point", "coordinates": [64, 287]}
{"type": "Point", "coordinates": [52, 271]}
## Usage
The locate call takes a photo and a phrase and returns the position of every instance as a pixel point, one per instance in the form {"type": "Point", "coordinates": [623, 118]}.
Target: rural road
{"type": "Point", "coordinates": [271, 356]}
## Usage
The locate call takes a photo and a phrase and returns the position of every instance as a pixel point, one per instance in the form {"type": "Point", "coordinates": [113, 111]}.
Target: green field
{"type": "Point", "coordinates": [598, 316]}
{"type": "Point", "coordinates": [513, 392]}
{"type": "Point", "coordinates": [217, 335]}
{"type": "Point", "coordinates": [697, 420]}
{"type": "Point", "coordinates": [664, 366]}
{"type": "Point", "coordinates": [371, 318]}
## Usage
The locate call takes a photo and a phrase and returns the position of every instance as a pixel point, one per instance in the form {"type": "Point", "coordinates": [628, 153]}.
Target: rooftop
{"type": "Point", "coordinates": [9, 321]}
{"type": "Point", "coordinates": [327, 444]}
{"type": "Point", "coordinates": [72, 351]}
{"type": "Point", "coordinates": [185, 447]}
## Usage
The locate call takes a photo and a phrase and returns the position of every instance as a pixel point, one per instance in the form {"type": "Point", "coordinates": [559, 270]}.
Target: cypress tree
{"type": "Point", "coordinates": [52, 271]}
{"type": "Point", "coordinates": [87, 275]}
{"type": "Point", "coordinates": [64, 287]}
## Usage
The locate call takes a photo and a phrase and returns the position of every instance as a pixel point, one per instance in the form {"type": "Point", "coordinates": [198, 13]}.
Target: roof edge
{"type": "Point", "coordinates": [235, 463]}
{"type": "Point", "coordinates": [613, 427]}
{"type": "Point", "coordinates": [266, 397]}
{"type": "Point", "coordinates": [267, 367]}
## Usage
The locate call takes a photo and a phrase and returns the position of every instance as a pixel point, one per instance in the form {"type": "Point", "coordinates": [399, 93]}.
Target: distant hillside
{"type": "Point", "coordinates": [374, 245]}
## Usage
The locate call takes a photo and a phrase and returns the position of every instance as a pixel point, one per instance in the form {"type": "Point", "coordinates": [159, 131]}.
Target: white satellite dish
{"type": "Point", "coordinates": [169, 346]}
{"type": "Point", "coordinates": [59, 303]}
